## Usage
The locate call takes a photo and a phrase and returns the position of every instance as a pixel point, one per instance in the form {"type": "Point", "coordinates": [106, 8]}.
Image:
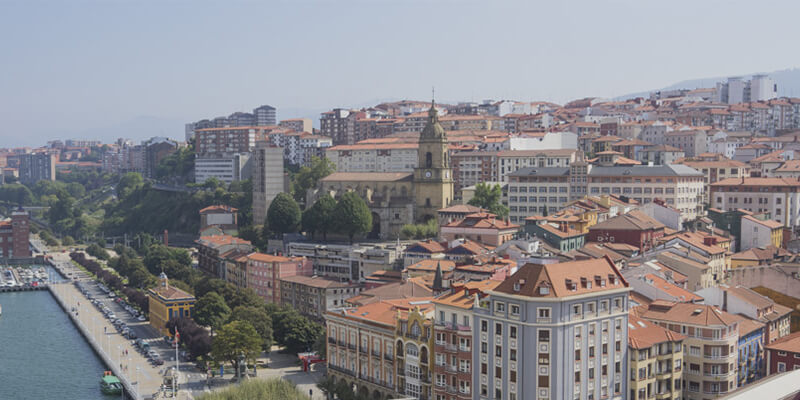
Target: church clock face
{"type": "Point", "coordinates": [427, 174]}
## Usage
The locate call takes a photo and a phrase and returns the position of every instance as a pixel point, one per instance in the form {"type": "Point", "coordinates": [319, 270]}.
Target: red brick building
{"type": "Point", "coordinates": [783, 354]}
{"type": "Point", "coordinates": [14, 236]}
{"type": "Point", "coordinates": [634, 228]}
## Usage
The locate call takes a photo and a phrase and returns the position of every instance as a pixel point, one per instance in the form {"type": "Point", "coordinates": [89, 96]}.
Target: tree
{"type": "Point", "coordinates": [294, 331]}
{"type": "Point", "coordinates": [489, 197]}
{"type": "Point", "coordinates": [260, 320]}
{"type": "Point", "coordinates": [96, 251]}
{"type": "Point", "coordinates": [352, 216]}
{"type": "Point", "coordinates": [67, 241]}
{"type": "Point", "coordinates": [128, 184]}
{"type": "Point", "coordinates": [211, 311]}
{"type": "Point", "coordinates": [233, 340]}
{"type": "Point", "coordinates": [319, 218]}
{"type": "Point", "coordinates": [308, 177]}
{"type": "Point", "coordinates": [283, 214]}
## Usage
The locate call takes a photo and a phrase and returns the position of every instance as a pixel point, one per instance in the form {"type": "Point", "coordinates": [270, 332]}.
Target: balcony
{"type": "Point", "coordinates": [331, 340]}
{"type": "Point", "coordinates": [387, 357]}
{"type": "Point", "coordinates": [351, 346]}
{"type": "Point", "coordinates": [363, 349]}
{"type": "Point", "coordinates": [376, 353]}
{"type": "Point", "coordinates": [451, 368]}
{"type": "Point", "coordinates": [663, 374]}
{"type": "Point", "coordinates": [341, 369]}
{"type": "Point", "coordinates": [711, 356]}
{"type": "Point", "coordinates": [720, 375]}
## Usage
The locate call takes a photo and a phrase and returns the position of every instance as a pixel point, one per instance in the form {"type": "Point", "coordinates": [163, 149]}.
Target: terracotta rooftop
{"type": "Point", "coordinates": [461, 208]}
{"type": "Point", "coordinates": [644, 334]}
{"type": "Point", "coordinates": [431, 265]}
{"type": "Point", "coordinates": [675, 291]}
{"type": "Point", "coordinates": [789, 343]}
{"type": "Point", "coordinates": [772, 182]}
{"type": "Point", "coordinates": [482, 220]}
{"type": "Point", "coordinates": [768, 223]}
{"type": "Point", "coordinates": [634, 220]}
{"type": "Point", "coordinates": [564, 279]}
{"type": "Point", "coordinates": [688, 313]}
{"type": "Point", "coordinates": [220, 240]}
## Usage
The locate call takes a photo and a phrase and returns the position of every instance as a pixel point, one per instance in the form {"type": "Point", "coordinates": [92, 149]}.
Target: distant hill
{"type": "Point", "coordinates": [788, 81]}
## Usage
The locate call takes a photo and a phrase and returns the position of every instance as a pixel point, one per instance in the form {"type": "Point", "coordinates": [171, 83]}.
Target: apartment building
{"type": "Point", "coordinates": [680, 187]}
{"type": "Point", "coordinates": [216, 142]}
{"type": "Point", "coordinates": [656, 361]}
{"type": "Point", "coordinates": [537, 191]}
{"type": "Point", "coordinates": [227, 169]}
{"type": "Point", "coordinates": [715, 171]}
{"type": "Point", "coordinates": [414, 349]}
{"type": "Point", "coordinates": [453, 331]}
{"type": "Point", "coordinates": [783, 355]}
{"type": "Point", "coordinates": [336, 124]}
{"type": "Point", "coordinates": [212, 249]}
{"type": "Point", "coordinates": [361, 344]}
{"type": "Point", "coordinates": [37, 167]}
{"type": "Point", "coordinates": [780, 197]}
{"type": "Point", "coordinates": [711, 354]}
{"type": "Point", "coordinates": [265, 271]}
{"type": "Point", "coordinates": [313, 296]}
{"type": "Point", "coordinates": [298, 146]}
{"type": "Point", "coordinates": [744, 301]}
{"type": "Point", "coordinates": [556, 331]}
{"type": "Point", "coordinates": [374, 157]}
{"type": "Point", "coordinates": [297, 124]}
{"type": "Point", "coordinates": [345, 262]}
{"type": "Point", "coordinates": [482, 227]}
{"type": "Point", "coordinates": [14, 236]}
{"type": "Point", "coordinates": [473, 167]}
{"type": "Point", "coordinates": [691, 141]}
{"type": "Point", "coordinates": [512, 160]}
{"type": "Point", "coordinates": [268, 178]}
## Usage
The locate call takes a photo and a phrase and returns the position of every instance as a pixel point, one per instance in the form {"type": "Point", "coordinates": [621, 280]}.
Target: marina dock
{"type": "Point", "coordinates": [140, 379]}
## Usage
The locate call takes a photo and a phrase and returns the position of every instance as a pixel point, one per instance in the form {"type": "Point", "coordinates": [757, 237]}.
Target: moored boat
{"type": "Point", "coordinates": [110, 384]}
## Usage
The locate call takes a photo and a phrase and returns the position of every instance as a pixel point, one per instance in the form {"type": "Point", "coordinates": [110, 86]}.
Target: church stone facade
{"type": "Point", "coordinates": [399, 198]}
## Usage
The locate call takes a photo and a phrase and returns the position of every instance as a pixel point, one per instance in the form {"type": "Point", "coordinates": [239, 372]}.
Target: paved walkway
{"type": "Point", "coordinates": [133, 366]}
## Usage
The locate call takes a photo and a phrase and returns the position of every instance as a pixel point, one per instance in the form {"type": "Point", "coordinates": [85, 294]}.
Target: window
{"type": "Point", "coordinates": [513, 332]}
{"type": "Point", "coordinates": [484, 326]}
{"type": "Point", "coordinates": [498, 329]}
{"type": "Point", "coordinates": [544, 313]}
{"type": "Point", "coordinates": [500, 307]}
{"type": "Point", "coordinates": [544, 335]}
{"type": "Point", "coordinates": [514, 309]}
{"type": "Point", "coordinates": [513, 355]}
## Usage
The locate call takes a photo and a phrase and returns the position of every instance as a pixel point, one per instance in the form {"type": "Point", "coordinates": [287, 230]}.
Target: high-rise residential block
{"type": "Point", "coordinates": [37, 167]}
{"type": "Point", "coordinates": [268, 178]}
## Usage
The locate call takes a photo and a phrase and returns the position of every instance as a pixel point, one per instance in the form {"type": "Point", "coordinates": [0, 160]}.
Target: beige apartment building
{"type": "Point", "coordinates": [537, 191]}
{"type": "Point", "coordinates": [655, 361]}
{"type": "Point", "coordinates": [680, 186]}
{"type": "Point", "coordinates": [778, 196]}
{"type": "Point", "coordinates": [717, 170]}
{"type": "Point", "coordinates": [711, 355]}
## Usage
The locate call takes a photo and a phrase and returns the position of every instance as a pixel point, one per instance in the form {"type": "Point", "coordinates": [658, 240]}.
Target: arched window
{"type": "Point", "coordinates": [428, 160]}
{"type": "Point", "coordinates": [412, 350]}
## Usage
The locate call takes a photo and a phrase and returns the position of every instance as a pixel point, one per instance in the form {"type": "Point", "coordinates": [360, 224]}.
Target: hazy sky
{"type": "Point", "coordinates": [85, 67]}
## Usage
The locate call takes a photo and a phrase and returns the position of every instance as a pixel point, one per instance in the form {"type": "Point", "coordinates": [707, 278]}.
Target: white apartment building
{"type": "Point", "coordinates": [226, 169]}
{"type": "Point", "coordinates": [374, 157]}
{"type": "Point", "coordinates": [296, 145]}
{"type": "Point", "coordinates": [511, 160]}
{"type": "Point", "coordinates": [550, 140]}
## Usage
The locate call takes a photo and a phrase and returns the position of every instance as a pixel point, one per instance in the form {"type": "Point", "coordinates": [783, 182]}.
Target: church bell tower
{"type": "Point", "coordinates": [433, 177]}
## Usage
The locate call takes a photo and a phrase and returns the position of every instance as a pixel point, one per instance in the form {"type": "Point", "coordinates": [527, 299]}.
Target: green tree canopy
{"type": "Point", "coordinates": [319, 218]}
{"type": "Point", "coordinates": [16, 194]}
{"type": "Point", "coordinates": [260, 320]}
{"type": "Point", "coordinates": [308, 177]}
{"type": "Point", "coordinates": [129, 183]}
{"type": "Point", "coordinates": [283, 215]}
{"type": "Point", "coordinates": [234, 339]}
{"type": "Point", "coordinates": [490, 198]}
{"type": "Point", "coordinates": [211, 310]}
{"type": "Point", "coordinates": [352, 216]}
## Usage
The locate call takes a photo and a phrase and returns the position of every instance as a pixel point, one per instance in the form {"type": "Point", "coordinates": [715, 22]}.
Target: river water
{"type": "Point", "coordinates": [42, 354]}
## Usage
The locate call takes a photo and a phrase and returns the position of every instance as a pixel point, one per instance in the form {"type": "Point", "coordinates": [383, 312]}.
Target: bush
{"type": "Point", "coordinates": [273, 388]}
{"type": "Point", "coordinates": [68, 241]}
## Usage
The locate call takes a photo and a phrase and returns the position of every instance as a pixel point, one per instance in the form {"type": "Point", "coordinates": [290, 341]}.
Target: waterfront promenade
{"type": "Point", "coordinates": [141, 379]}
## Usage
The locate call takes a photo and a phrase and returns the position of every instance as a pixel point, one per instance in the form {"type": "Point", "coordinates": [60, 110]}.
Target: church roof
{"type": "Point", "coordinates": [368, 177]}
